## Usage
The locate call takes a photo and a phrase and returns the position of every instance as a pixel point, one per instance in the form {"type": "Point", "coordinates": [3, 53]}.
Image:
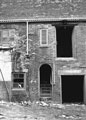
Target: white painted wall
{"type": "Point", "coordinates": [5, 65]}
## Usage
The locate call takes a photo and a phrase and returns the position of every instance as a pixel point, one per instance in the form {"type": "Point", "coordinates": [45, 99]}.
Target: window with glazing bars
{"type": "Point", "coordinates": [18, 80]}
{"type": "Point", "coordinates": [44, 37]}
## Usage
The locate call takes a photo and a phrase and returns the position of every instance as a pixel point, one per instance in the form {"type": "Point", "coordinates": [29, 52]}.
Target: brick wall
{"type": "Point", "coordinates": [47, 55]}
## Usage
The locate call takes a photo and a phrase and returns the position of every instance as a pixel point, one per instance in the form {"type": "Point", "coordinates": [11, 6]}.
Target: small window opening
{"type": "Point", "coordinates": [7, 34]}
{"type": "Point", "coordinates": [64, 40]}
{"type": "Point", "coordinates": [44, 37]}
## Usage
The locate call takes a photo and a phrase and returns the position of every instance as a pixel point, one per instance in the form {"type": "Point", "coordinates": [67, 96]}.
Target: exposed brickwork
{"type": "Point", "coordinates": [46, 55]}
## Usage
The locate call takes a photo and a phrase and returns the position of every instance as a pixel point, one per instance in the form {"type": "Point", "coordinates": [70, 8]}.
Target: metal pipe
{"type": "Point", "coordinates": [27, 38]}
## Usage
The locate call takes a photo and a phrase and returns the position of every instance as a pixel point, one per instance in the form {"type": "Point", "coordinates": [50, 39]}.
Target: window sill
{"type": "Point", "coordinates": [43, 46]}
{"type": "Point", "coordinates": [18, 89]}
{"type": "Point", "coordinates": [65, 59]}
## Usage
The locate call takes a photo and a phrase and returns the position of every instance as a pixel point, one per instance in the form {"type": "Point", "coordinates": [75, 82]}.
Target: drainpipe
{"type": "Point", "coordinates": [27, 55]}
{"type": "Point", "coordinates": [27, 38]}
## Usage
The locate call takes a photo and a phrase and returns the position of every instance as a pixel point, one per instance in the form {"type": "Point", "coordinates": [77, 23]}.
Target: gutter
{"type": "Point", "coordinates": [38, 20]}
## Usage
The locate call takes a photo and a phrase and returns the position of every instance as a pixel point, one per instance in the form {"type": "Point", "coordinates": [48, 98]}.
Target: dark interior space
{"type": "Point", "coordinates": [45, 81]}
{"type": "Point", "coordinates": [72, 88]}
{"type": "Point", "coordinates": [64, 40]}
{"type": "Point", "coordinates": [45, 74]}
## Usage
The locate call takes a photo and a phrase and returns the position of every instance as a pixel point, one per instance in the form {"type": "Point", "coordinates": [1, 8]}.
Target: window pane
{"type": "Point", "coordinates": [5, 34]}
{"type": "Point", "coordinates": [18, 80]}
{"type": "Point", "coordinates": [44, 36]}
{"type": "Point", "coordinates": [15, 85]}
{"type": "Point", "coordinates": [18, 85]}
{"type": "Point", "coordinates": [11, 33]}
{"type": "Point", "coordinates": [15, 75]}
{"type": "Point", "coordinates": [21, 75]}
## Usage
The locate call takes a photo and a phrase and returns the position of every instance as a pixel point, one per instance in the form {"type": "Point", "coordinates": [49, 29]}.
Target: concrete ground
{"type": "Point", "coordinates": [41, 111]}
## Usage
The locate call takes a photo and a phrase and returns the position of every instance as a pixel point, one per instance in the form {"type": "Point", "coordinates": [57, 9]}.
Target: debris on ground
{"type": "Point", "coordinates": [41, 110]}
{"type": "Point", "coordinates": [26, 103]}
{"type": "Point", "coordinates": [42, 103]}
{"type": "Point", "coordinates": [60, 106]}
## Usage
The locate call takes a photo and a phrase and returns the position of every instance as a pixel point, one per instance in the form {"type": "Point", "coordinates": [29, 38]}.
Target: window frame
{"type": "Point", "coordinates": [17, 88]}
{"type": "Point", "coordinates": [9, 32]}
{"type": "Point", "coordinates": [41, 44]}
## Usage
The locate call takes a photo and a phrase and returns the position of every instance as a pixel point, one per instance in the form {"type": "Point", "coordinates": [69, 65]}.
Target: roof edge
{"type": "Point", "coordinates": [30, 20]}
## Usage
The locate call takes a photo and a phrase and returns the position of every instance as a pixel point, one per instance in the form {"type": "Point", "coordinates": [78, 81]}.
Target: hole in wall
{"type": "Point", "coordinates": [64, 40]}
{"type": "Point", "coordinates": [72, 88]}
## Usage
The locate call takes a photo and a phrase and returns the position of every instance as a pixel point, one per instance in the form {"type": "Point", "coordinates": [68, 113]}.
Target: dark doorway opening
{"type": "Point", "coordinates": [64, 40]}
{"type": "Point", "coordinates": [45, 80]}
{"type": "Point", "coordinates": [72, 88]}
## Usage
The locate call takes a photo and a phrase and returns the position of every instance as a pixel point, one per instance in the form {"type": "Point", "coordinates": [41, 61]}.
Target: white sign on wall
{"type": "Point", "coordinates": [5, 65]}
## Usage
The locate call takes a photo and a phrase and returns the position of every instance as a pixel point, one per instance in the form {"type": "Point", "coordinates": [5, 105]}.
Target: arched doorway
{"type": "Point", "coordinates": [45, 81]}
